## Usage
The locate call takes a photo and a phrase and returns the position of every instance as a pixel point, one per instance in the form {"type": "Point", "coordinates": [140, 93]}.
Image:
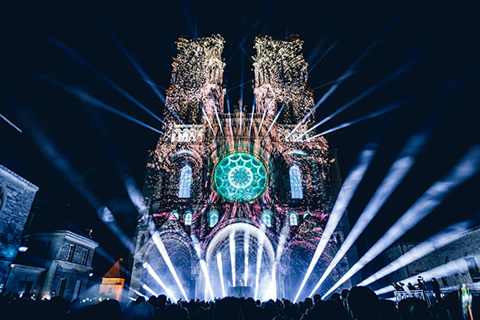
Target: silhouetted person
{"type": "Point", "coordinates": [363, 304]}
{"type": "Point", "coordinates": [388, 310]}
{"type": "Point", "coordinates": [317, 298]}
{"type": "Point", "coordinates": [175, 312]}
{"type": "Point", "coordinates": [413, 309]}
{"type": "Point", "coordinates": [436, 290]}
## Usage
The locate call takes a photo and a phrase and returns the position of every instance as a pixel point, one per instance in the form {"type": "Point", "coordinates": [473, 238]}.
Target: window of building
{"type": "Point", "coordinates": [293, 219]}
{"type": "Point", "coordinates": [185, 182]}
{"type": "Point", "coordinates": [267, 217]}
{"type": "Point", "coordinates": [85, 257]}
{"type": "Point", "coordinates": [306, 214]}
{"type": "Point", "coordinates": [78, 288]}
{"type": "Point", "coordinates": [24, 286]}
{"type": "Point", "coordinates": [61, 289]}
{"type": "Point", "coordinates": [174, 215]}
{"type": "Point", "coordinates": [71, 251]}
{"type": "Point", "coordinates": [110, 290]}
{"type": "Point", "coordinates": [188, 218]}
{"type": "Point", "coordinates": [213, 218]}
{"type": "Point", "coordinates": [296, 183]}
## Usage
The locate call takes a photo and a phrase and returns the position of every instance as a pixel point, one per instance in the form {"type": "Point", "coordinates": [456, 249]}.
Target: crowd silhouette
{"type": "Point", "coordinates": [358, 303]}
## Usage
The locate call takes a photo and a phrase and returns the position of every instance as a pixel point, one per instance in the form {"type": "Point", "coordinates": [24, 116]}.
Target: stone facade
{"type": "Point", "coordinates": [65, 260]}
{"type": "Point", "coordinates": [245, 189]}
{"type": "Point", "coordinates": [16, 198]}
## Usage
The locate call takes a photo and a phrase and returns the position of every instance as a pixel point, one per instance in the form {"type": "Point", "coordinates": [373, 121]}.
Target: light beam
{"type": "Point", "coordinates": [465, 168]}
{"type": "Point", "coordinates": [220, 271]}
{"type": "Point", "coordinates": [345, 195]}
{"type": "Point", "coordinates": [396, 173]}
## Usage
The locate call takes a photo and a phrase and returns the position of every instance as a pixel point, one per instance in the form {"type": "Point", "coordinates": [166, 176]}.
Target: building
{"type": "Point", "coordinates": [16, 198]}
{"type": "Point", "coordinates": [112, 283]}
{"type": "Point", "coordinates": [237, 196]}
{"type": "Point", "coordinates": [456, 261]}
{"type": "Point", "coordinates": [57, 263]}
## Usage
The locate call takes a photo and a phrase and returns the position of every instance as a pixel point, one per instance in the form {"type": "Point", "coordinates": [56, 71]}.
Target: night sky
{"type": "Point", "coordinates": [75, 151]}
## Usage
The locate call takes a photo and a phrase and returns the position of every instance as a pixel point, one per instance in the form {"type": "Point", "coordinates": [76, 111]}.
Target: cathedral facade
{"type": "Point", "coordinates": [237, 197]}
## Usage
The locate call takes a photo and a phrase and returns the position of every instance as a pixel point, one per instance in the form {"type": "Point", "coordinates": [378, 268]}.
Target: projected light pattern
{"type": "Point", "coordinates": [240, 176]}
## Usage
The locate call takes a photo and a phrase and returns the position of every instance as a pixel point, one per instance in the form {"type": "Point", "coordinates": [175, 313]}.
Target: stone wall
{"type": "Point", "coordinates": [16, 198]}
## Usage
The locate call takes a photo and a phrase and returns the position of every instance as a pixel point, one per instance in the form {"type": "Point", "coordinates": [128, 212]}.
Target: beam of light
{"type": "Point", "coordinates": [163, 251]}
{"type": "Point", "coordinates": [63, 165]}
{"type": "Point", "coordinates": [269, 5]}
{"type": "Point", "coordinates": [246, 249]}
{"type": "Point", "coordinates": [345, 75]}
{"type": "Point", "coordinates": [397, 73]}
{"type": "Point", "coordinates": [241, 111]}
{"type": "Point", "coordinates": [232, 255]}
{"type": "Point", "coordinates": [85, 97]}
{"type": "Point", "coordinates": [344, 196]}
{"type": "Point", "coordinates": [333, 45]}
{"type": "Point", "coordinates": [155, 54]}
{"type": "Point", "coordinates": [394, 105]}
{"type": "Point", "coordinates": [247, 55]}
{"type": "Point", "coordinates": [137, 293]}
{"type": "Point", "coordinates": [251, 119]}
{"type": "Point", "coordinates": [466, 168]}
{"type": "Point", "coordinates": [281, 242]}
{"type": "Point", "coordinates": [159, 281]}
{"type": "Point", "coordinates": [228, 102]}
{"type": "Point", "coordinates": [216, 114]}
{"type": "Point", "coordinates": [240, 85]}
{"type": "Point", "coordinates": [441, 239]}
{"type": "Point", "coordinates": [143, 74]}
{"type": "Point", "coordinates": [242, 67]}
{"type": "Point", "coordinates": [457, 266]}
{"type": "Point", "coordinates": [206, 117]}
{"type": "Point", "coordinates": [395, 175]}
{"type": "Point", "coordinates": [198, 251]}
{"type": "Point", "coordinates": [10, 123]}
{"type": "Point", "coordinates": [153, 293]}
{"type": "Point", "coordinates": [263, 118]}
{"type": "Point", "coordinates": [220, 271]}
{"type": "Point", "coordinates": [259, 260]}
{"type": "Point", "coordinates": [278, 115]}
{"type": "Point", "coordinates": [203, 264]}
{"type": "Point", "coordinates": [188, 19]}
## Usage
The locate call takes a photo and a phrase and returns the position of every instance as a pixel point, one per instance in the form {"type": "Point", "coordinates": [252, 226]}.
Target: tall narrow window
{"type": "Point", "coordinates": [185, 182]}
{"type": "Point", "coordinates": [267, 218]}
{"type": "Point", "coordinates": [85, 257]}
{"type": "Point", "coordinates": [296, 183]}
{"type": "Point", "coordinates": [70, 253]}
{"type": "Point", "coordinates": [213, 218]}
{"type": "Point", "coordinates": [188, 218]}
{"type": "Point", "coordinates": [293, 219]}
{"type": "Point", "coordinates": [61, 288]}
{"type": "Point", "coordinates": [174, 215]}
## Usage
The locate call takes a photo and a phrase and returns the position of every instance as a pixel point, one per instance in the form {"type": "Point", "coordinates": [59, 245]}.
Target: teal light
{"type": "Point", "coordinates": [240, 176]}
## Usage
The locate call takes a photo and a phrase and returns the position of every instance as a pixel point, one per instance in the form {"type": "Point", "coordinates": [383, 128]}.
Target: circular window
{"type": "Point", "coordinates": [240, 176]}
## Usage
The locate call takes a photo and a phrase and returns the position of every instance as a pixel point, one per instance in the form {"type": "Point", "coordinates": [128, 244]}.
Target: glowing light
{"type": "Point", "coordinates": [453, 267]}
{"type": "Point", "coordinates": [207, 278]}
{"type": "Point", "coordinates": [216, 114]}
{"type": "Point", "coordinates": [442, 238]}
{"type": "Point", "coordinates": [10, 123]}
{"type": "Point", "coordinates": [220, 271]}
{"type": "Point", "coordinates": [394, 176]}
{"type": "Point", "coordinates": [149, 290]}
{"type": "Point", "coordinates": [163, 251]}
{"type": "Point", "coordinates": [240, 177]}
{"type": "Point", "coordinates": [251, 119]}
{"type": "Point", "coordinates": [159, 281]}
{"type": "Point", "coordinates": [83, 62]}
{"type": "Point", "coordinates": [400, 71]}
{"type": "Point", "coordinates": [246, 248]}
{"type": "Point", "coordinates": [232, 255]}
{"type": "Point", "coordinates": [206, 117]}
{"type": "Point", "coordinates": [468, 166]}
{"type": "Point", "coordinates": [345, 195]}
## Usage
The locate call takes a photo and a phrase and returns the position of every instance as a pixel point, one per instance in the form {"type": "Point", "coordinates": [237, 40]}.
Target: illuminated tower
{"type": "Point", "coordinates": [232, 185]}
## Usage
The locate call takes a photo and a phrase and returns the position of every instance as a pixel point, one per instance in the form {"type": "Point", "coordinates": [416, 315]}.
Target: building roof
{"type": "Point", "coordinates": [114, 272]}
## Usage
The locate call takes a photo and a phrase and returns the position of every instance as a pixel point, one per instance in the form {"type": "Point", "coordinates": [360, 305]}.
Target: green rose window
{"type": "Point", "coordinates": [240, 176]}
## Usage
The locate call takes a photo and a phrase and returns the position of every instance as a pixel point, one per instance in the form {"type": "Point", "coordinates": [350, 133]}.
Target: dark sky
{"type": "Point", "coordinates": [63, 134]}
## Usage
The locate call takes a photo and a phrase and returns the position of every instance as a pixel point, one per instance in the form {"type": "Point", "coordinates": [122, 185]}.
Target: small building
{"type": "Point", "coordinates": [16, 198]}
{"type": "Point", "coordinates": [57, 263]}
{"type": "Point", "coordinates": [112, 283]}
